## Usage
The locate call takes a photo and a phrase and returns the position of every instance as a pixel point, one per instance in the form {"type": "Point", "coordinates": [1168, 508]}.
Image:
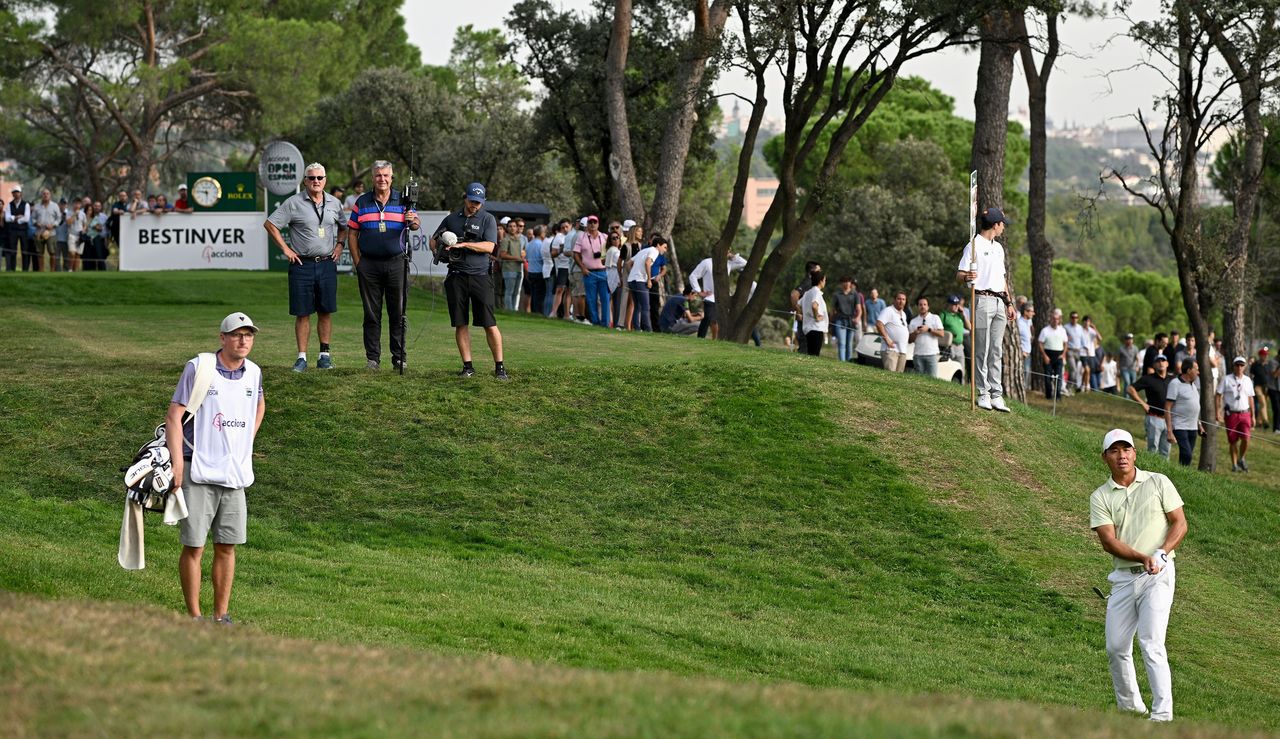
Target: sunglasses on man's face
{"type": "Point", "coordinates": [315, 178]}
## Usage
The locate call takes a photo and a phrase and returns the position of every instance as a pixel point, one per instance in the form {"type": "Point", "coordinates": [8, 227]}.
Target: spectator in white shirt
{"type": "Point", "coordinates": [1235, 397]}
{"type": "Point", "coordinates": [1182, 411]}
{"type": "Point", "coordinates": [891, 324]}
{"type": "Point", "coordinates": [704, 284]}
{"type": "Point", "coordinates": [639, 281]}
{"type": "Point", "coordinates": [1076, 351]}
{"type": "Point", "coordinates": [1028, 312]}
{"type": "Point", "coordinates": [814, 315]}
{"type": "Point", "coordinates": [925, 329]}
{"type": "Point", "coordinates": [1108, 374]}
{"type": "Point", "coordinates": [1053, 342]}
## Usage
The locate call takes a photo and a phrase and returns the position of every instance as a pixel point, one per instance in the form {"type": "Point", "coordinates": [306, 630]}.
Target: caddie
{"type": "Point", "coordinates": [213, 462]}
{"type": "Point", "coordinates": [1139, 520]}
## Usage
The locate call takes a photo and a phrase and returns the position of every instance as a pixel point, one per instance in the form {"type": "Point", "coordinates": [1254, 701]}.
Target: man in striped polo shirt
{"type": "Point", "coordinates": [1139, 521]}
{"type": "Point", "coordinates": [376, 238]}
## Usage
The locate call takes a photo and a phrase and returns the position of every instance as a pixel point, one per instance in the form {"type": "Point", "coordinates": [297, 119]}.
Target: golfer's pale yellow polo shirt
{"type": "Point", "coordinates": [1136, 511]}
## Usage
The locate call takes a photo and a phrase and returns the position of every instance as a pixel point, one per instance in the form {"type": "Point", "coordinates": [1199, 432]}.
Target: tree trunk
{"type": "Point", "coordinates": [708, 23]}
{"type": "Point", "coordinates": [621, 166]}
{"type": "Point", "coordinates": [1186, 234]}
{"type": "Point", "coordinates": [1038, 246]}
{"type": "Point", "coordinates": [991, 127]}
{"type": "Point", "coordinates": [1247, 67]}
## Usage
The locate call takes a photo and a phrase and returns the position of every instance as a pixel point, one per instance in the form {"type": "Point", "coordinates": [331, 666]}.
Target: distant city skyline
{"type": "Point", "coordinates": [1093, 83]}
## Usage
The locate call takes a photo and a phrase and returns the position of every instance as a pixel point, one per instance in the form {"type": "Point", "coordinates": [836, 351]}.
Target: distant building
{"type": "Point", "coordinates": [758, 198]}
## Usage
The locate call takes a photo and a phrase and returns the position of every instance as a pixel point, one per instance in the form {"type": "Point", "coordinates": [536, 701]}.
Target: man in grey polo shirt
{"type": "Point", "coordinates": [313, 218]}
{"type": "Point", "coordinates": [1139, 521]}
{"type": "Point", "coordinates": [212, 456]}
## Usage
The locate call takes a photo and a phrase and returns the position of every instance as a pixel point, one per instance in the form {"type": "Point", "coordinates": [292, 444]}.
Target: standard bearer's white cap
{"type": "Point", "coordinates": [1115, 435]}
{"type": "Point", "coordinates": [628, 224]}
{"type": "Point", "coordinates": [235, 321]}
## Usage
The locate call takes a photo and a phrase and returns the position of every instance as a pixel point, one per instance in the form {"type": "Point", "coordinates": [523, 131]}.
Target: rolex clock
{"type": "Point", "coordinates": [206, 191]}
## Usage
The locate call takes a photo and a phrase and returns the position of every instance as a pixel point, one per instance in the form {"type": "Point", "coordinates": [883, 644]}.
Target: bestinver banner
{"type": "Point", "coordinates": [150, 242]}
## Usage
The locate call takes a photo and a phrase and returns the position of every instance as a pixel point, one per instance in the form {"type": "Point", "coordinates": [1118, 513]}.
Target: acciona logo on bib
{"type": "Point", "coordinates": [221, 423]}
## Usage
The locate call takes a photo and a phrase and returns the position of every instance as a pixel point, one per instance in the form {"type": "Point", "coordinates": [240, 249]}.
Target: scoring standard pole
{"type": "Point", "coordinates": [973, 298]}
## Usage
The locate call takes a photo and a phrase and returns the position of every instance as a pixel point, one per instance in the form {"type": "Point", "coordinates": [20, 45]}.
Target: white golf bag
{"type": "Point", "coordinates": [148, 480]}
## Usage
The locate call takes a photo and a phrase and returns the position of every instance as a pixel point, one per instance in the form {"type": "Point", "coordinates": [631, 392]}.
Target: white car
{"type": "Point", "coordinates": [868, 352]}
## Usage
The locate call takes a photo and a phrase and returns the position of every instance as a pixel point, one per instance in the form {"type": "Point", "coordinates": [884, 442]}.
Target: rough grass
{"type": "Point", "coordinates": [627, 503]}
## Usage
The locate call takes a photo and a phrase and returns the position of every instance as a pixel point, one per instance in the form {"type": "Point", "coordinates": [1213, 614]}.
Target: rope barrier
{"type": "Point", "coordinates": [1118, 396]}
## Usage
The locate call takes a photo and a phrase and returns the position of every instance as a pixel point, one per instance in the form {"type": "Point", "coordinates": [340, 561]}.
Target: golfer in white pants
{"type": "Point", "coordinates": [1139, 520]}
{"type": "Point", "coordinates": [993, 308]}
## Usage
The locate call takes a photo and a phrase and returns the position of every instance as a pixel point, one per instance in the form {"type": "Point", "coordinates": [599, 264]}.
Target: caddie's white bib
{"type": "Point", "coordinates": [223, 445]}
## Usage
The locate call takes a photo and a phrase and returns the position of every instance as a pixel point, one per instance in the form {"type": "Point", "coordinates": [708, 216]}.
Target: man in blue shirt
{"type": "Point", "coordinates": [375, 236]}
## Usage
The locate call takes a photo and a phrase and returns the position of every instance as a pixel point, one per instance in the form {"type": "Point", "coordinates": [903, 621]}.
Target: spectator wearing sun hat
{"type": "Point", "coordinates": [589, 253]}
{"type": "Point", "coordinates": [1234, 406]}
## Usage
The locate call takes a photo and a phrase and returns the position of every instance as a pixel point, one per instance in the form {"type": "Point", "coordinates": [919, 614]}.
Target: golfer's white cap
{"type": "Point", "coordinates": [1115, 435]}
{"type": "Point", "coordinates": [235, 321]}
{"type": "Point", "coordinates": [628, 224]}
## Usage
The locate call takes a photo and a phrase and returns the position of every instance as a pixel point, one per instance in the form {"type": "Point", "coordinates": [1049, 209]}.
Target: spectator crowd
{"type": "Point", "coordinates": [71, 235]}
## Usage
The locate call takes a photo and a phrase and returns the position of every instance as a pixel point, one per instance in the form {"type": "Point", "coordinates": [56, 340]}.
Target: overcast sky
{"type": "Point", "coordinates": [1079, 91]}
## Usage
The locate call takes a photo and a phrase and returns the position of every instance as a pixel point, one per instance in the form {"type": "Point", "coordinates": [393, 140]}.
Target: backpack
{"type": "Point", "coordinates": [148, 479]}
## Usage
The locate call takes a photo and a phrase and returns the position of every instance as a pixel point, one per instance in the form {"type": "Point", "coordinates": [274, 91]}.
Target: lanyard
{"type": "Point", "coordinates": [319, 209]}
{"type": "Point", "coordinates": [382, 208]}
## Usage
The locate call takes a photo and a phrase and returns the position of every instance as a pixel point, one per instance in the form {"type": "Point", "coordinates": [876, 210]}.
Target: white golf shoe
{"type": "Point", "coordinates": [984, 403]}
{"type": "Point", "coordinates": [997, 403]}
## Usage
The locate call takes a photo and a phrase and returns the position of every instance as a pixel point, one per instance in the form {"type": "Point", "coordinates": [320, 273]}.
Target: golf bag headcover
{"type": "Point", "coordinates": [148, 480]}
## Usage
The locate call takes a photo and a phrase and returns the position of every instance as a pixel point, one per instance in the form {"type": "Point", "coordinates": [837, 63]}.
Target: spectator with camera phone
{"type": "Point", "coordinates": [464, 240]}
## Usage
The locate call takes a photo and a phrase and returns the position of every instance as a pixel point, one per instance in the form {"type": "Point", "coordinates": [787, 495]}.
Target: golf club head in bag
{"type": "Point", "coordinates": [149, 479]}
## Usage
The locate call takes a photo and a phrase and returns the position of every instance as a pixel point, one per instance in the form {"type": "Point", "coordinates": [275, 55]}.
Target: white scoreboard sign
{"type": "Point", "coordinates": [151, 242]}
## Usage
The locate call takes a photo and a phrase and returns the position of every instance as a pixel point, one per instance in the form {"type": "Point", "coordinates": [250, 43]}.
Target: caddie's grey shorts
{"type": "Point", "coordinates": [213, 507]}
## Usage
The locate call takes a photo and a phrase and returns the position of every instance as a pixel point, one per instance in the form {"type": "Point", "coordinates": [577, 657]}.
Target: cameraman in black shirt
{"type": "Point", "coordinates": [469, 286]}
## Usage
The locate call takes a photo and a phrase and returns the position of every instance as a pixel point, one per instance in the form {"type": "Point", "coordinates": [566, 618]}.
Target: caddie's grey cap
{"type": "Point", "coordinates": [235, 321]}
{"type": "Point", "coordinates": [1114, 436]}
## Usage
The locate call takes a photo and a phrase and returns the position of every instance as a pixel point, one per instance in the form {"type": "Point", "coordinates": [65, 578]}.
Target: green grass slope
{"type": "Point", "coordinates": [627, 503]}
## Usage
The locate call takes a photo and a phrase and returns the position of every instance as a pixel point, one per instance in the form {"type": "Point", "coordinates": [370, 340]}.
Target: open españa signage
{"type": "Point", "coordinates": [223, 192]}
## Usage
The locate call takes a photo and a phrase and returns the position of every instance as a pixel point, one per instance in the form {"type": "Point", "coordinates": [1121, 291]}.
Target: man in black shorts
{"type": "Point", "coordinates": [469, 288]}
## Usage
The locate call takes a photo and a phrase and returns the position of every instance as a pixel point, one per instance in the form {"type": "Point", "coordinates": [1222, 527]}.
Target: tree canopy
{"type": "Point", "coordinates": [104, 94]}
{"type": "Point", "coordinates": [898, 219]}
